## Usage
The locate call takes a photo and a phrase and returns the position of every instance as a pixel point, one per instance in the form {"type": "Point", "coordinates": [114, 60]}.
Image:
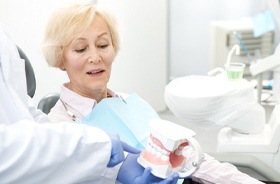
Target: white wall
{"type": "Point", "coordinates": [189, 30]}
{"type": "Point", "coordinates": [141, 65]}
{"type": "Point", "coordinates": [24, 22]}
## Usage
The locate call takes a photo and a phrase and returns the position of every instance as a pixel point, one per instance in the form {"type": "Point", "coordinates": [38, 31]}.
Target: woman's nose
{"type": "Point", "coordinates": [94, 56]}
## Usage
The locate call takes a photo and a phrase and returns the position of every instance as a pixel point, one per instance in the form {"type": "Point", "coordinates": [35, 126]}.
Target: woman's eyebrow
{"type": "Point", "coordinates": [77, 40]}
{"type": "Point", "coordinates": [102, 34]}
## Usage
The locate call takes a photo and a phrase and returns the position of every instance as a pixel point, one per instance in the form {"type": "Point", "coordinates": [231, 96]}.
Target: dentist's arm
{"type": "Point", "coordinates": [118, 148]}
{"type": "Point", "coordinates": [53, 152]}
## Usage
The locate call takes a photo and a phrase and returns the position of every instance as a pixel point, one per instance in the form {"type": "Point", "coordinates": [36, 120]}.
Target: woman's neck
{"type": "Point", "coordinates": [97, 94]}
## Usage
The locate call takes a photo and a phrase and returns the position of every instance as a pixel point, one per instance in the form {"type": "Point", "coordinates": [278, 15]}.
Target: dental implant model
{"type": "Point", "coordinates": [165, 150]}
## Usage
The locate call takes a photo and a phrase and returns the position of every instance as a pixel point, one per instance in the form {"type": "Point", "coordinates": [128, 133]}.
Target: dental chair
{"type": "Point", "coordinates": [29, 72]}
{"type": "Point", "coordinates": [47, 102]}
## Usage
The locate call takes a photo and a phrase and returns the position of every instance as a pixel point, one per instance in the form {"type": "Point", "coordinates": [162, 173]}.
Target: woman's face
{"type": "Point", "coordinates": [88, 60]}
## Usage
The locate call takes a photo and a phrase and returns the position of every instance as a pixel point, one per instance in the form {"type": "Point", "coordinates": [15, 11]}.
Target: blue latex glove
{"type": "Point", "coordinates": [131, 172]}
{"type": "Point", "coordinates": [117, 151]}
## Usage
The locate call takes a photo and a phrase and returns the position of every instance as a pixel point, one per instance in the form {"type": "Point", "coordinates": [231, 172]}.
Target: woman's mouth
{"type": "Point", "coordinates": [94, 72]}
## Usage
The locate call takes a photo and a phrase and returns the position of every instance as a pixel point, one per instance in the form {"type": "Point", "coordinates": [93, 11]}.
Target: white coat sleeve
{"type": "Point", "coordinates": [32, 152]}
{"type": "Point", "coordinates": [38, 115]}
{"type": "Point", "coordinates": [212, 171]}
{"type": "Point", "coordinates": [52, 153]}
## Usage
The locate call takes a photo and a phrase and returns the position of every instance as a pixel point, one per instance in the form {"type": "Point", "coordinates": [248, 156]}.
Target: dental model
{"type": "Point", "coordinates": [165, 150]}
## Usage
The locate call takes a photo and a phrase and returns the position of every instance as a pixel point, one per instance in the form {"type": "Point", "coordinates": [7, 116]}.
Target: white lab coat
{"type": "Point", "coordinates": [35, 151]}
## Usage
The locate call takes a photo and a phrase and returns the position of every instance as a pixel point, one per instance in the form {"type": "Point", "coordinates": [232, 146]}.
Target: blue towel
{"type": "Point", "coordinates": [129, 118]}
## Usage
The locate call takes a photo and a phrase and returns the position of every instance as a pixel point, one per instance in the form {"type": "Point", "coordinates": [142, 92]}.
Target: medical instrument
{"type": "Point", "coordinates": [244, 47]}
{"type": "Point", "coordinates": [165, 150]}
{"type": "Point", "coordinates": [237, 52]}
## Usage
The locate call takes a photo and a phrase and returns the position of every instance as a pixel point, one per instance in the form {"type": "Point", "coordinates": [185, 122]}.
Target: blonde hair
{"type": "Point", "coordinates": [69, 22]}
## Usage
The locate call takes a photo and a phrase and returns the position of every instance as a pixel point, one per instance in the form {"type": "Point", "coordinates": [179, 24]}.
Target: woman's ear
{"type": "Point", "coordinates": [62, 67]}
{"type": "Point", "coordinates": [61, 64]}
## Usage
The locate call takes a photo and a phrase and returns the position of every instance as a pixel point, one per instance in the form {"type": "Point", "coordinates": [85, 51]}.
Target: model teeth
{"type": "Point", "coordinates": [149, 148]}
{"type": "Point", "coordinates": [158, 148]}
{"type": "Point", "coordinates": [157, 151]}
{"type": "Point", "coordinates": [165, 152]}
{"type": "Point", "coordinates": [178, 152]}
{"type": "Point", "coordinates": [164, 158]}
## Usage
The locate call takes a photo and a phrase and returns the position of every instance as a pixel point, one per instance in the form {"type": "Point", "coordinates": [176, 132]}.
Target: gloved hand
{"type": "Point", "coordinates": [148, 177]}
{"type": "Point", "coordinates": [131, 172]}
{"type": "Point", "coordinates": [117, 151]}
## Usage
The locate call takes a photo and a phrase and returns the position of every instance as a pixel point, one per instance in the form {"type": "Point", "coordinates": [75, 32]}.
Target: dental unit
{"type": "Point", "coordinates": [244, 131]}
{"type": "Point", "coordinates": [165, 150]}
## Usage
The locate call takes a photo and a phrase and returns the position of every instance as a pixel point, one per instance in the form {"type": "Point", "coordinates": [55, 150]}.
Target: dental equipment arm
{"type": "Point", "coordinates": [265, 64]}
{"type": "Point", "coordinates": [269, 63]}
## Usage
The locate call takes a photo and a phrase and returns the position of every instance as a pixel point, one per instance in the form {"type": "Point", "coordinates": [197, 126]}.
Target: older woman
{"type": "Point", "coordinates": [83, 41]}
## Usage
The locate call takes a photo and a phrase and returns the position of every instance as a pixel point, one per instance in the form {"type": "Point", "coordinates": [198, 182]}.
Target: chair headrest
{"type": "Point", "coordinates": [30, 76]}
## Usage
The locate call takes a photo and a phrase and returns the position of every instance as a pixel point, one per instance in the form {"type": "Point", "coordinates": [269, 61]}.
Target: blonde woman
{"type": "Point", "coordinates": [83, 41]}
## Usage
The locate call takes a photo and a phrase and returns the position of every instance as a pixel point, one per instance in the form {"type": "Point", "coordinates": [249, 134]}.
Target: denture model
{"type": "Point", "coordinates": [164, 152]}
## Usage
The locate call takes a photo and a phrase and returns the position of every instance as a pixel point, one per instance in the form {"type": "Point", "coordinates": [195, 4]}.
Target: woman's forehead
{"type": "Point", "coordinates": [97, 28]}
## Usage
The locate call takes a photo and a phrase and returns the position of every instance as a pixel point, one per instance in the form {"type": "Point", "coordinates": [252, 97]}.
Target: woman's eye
{"type": "Point", "coordinates": [80, 50]}
{"type": "Point", "coordinates": [103, 46]}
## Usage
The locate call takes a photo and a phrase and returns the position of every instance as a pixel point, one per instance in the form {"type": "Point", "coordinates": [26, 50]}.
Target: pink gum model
{"type": "Point", "coordinates": [164, 152]}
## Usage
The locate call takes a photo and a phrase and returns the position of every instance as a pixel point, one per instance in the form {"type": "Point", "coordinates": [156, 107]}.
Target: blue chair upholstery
{"type": "Point", "coordinates": [48, 101]}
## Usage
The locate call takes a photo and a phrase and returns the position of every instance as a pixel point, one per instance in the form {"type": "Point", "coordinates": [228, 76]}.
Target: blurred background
{"type": "Point", "coordinates": [161, 40]}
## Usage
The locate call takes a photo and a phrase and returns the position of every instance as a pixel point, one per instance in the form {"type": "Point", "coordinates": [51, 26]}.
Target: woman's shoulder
{"type": "Point", "coordinates": [58, 113]}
